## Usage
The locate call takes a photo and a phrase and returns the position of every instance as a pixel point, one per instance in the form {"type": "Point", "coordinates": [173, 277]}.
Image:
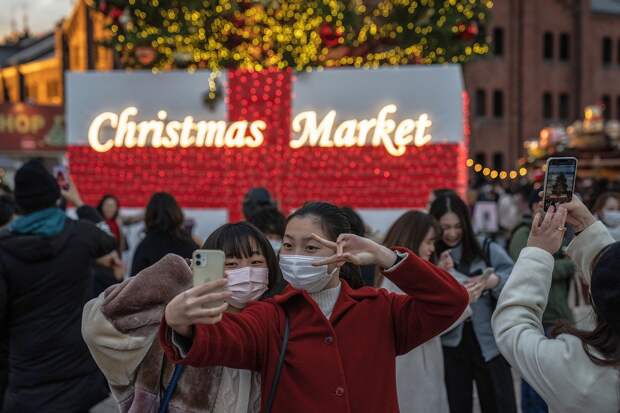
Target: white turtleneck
{"type": "Point", "coordinates": [326, 299]}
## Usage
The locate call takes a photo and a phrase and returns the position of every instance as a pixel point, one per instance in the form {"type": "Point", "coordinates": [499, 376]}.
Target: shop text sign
{"type": "Point", "coordinates": [121, 130]}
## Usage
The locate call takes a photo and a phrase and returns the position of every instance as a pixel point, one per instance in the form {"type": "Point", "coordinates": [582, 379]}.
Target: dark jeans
{"type": "Point", "coordinates": [464, 364]}
{"type": "Point", "coordinates": [531, 402]}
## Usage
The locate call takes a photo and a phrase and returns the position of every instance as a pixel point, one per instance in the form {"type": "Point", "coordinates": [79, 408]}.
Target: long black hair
{"type": "Point", "coordinates": [471, 249]}
{"type": "Point", "coordinates": [408, 231]}
{"type": "Point", "coordinates": [334, 222]}
{"type": "Point", "coordinates": [105, 198]}
{"type": "Point", "coordinates": [241, 240]}
{"type": "Point", "coordinates": [163, 214]}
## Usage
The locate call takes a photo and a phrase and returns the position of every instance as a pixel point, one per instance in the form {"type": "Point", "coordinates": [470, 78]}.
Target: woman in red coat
{"type": "Point", "coordinates": [343, 342]}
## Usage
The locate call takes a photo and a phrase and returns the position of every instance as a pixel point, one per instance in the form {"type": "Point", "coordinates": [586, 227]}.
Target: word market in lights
{"type": "Point", "coordinates": [164, 133]}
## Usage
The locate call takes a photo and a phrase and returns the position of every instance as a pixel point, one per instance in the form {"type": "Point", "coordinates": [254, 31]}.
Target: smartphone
{"type": "Point", "coordinates": [208, 265]}
{"type": "Point", "coordinates": [61, 173]}
{"type": "Point", "coordinates": [559, 181]}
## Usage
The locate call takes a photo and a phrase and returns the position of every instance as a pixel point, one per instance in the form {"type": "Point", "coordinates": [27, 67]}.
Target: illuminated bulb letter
{"type": "Point", "coordinates": [403, 135]}
{"type": "Point", "coordinates": [172, 134]}
{"type": "Point", "coordinates": [186, 138]}
{"type": "Point", "coordinates": [256, 131]}
{"type": "Point", "coordinates": [365, 125]}
{"type": "Point", "coordinates": [383, 129]}
{"type": "Point", "coordinates": [421, 138]}
{"type": "Point", "coordinates": [235, 135]}
{"type": "Point", "coordinates": [210, 133]}
{"type": "Point", "coordinates": [153, 127]}
{"type": "Point", "coordinates": [345, 134]}
{"type": "Point", "coordinates": [95, 128]}
{"type": "Point", "coordinates": [311, 134]}
{"type": "Point", "coordinates": [126, 130]}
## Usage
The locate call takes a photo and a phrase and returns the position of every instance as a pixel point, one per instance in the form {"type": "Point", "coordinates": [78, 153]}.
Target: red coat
{"type": "Point", "coordinates": [342, 365]}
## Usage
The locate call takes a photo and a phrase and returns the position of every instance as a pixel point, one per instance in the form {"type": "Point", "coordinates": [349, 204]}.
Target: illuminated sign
{"type": "Point", "coordinates": [108, 130]}
{"type": "Point", "coordinates": [355, 132]}
{"type": "Point", "coordinates": [170, 134]}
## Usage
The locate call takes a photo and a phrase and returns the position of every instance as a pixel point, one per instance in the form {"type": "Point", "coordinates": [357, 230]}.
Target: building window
{"type": "Point", "coordinates": [52, 89]}
{"type": "Point", "coordinates": [547, 105]}
{"type": "Point", "coordinates": [618, 51]}
{"type": "Point", "coordinates": [481, 103]}
{"type": "Point", "coordinates": [607, 52]}
{"type": "Point", "coordinates": [618, 107]}
{"type": "Point", "coordinates": [548, 46]}
{"type": "Point", "coordinates": [498, 161]}
{"type": "Point", "coordinates": [498, 41]}
{"type": "Point", "coordinates": [606, 101]}
{"type": "Point", "coordinates": [498, 104]}
{"type": "Point", "coordinates": [565, 47]}
{"type": "Point", "coordinates": [481, 158]}
{"type": "Point", "coordinates": [564, 106]}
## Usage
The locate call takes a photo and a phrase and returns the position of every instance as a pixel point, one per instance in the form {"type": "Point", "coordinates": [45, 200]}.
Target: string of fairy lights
{"type": "Point", "coordinates": [495, 174]}
{"type": "Point", "coordinates": [300, 34]}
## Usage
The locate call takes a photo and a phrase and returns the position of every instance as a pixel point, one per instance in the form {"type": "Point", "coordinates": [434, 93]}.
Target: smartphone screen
{"type": "Point", "coordinates": [559, 181]}
{"type": "Point", "coordinates": [61, 173]}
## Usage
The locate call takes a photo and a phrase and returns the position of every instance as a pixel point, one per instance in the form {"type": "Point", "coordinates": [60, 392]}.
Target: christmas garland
{"type": "Point", "coordinates": [300, 34]}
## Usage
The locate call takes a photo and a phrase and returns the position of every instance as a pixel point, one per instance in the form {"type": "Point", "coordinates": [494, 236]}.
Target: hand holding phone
{"type": "Point", "coordinates": [61, 173]}
{"type": "Point", "coordinates": [559, 181]}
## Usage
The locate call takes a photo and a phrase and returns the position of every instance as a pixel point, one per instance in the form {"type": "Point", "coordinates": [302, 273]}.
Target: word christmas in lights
{"type": "Point", "coordinates": [157, 134]}
{"type": "Point", "coordinates": [125, 132]}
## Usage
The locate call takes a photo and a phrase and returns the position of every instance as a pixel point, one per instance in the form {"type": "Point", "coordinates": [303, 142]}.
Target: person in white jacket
{"type": "Point", "coordinates": [420, 376]}
{"type": "Point", "coordinates": [577, 371]}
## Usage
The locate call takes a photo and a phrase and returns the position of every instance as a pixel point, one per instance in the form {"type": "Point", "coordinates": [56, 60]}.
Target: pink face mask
{"type": "Point", "coordinates": [247, 284]}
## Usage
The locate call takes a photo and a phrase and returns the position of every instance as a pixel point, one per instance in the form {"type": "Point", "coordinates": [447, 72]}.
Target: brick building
{"type": "Point", "coordinates": [549, 59]}
{"type": "Point", "coordinates": [31, 68]}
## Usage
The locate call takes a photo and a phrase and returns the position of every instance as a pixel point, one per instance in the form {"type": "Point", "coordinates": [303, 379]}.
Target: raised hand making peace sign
{"type": "Point", "coordinates": [356, 250]}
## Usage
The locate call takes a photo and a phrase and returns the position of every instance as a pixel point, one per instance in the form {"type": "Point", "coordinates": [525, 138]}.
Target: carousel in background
{"type": "Point", "coordinates": [594, 141]}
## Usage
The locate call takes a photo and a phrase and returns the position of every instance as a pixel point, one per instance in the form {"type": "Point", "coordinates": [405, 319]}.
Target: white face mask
{"type": "Point", "coordinates": [247, 284]}
{"type": "Point", "coordinates": [299, 272]}
{"type": "Point", "coordinates": [276, 245]}
{"type": "Point", "coordinates": [611, 218]}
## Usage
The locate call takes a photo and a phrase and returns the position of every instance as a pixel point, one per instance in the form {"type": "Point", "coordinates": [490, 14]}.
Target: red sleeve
{"type": "Point", "coordinates": [434, 300]}
{"type": "Point", "coordinates": [238, 341]}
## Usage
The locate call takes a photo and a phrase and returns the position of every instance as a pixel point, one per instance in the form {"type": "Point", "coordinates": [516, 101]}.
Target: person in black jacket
{"type": "Point", "coordinates": [45, 261]}
{"type": "Point", "coordinates": [164, 233]}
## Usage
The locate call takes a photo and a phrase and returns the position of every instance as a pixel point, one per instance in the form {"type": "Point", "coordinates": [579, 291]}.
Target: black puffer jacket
{"type": "Point", "coordinates": [44, 282]}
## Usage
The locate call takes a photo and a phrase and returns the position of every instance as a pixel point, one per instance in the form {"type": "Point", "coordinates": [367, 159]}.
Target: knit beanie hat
{"type": "Point", "coordinates": [605, 286]}
{"type": "Point", "coordinates": [35, 187]}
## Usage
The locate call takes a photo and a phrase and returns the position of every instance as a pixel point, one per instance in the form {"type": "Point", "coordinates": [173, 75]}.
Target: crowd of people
{"type": "Point", "coordinates": [317, 312]}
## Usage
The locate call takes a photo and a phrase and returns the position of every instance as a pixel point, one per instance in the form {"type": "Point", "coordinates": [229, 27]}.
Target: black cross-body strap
{"type": "Point", "coordinates": [276, 379]}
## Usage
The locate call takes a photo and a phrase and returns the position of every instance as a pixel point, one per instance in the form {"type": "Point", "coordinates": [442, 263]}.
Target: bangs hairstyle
{"type": "Point", "coordinates": [334, 222]}
{"type": "Point", "coordinates": [242, 240]}
{"type": "Point", "coordinates": [452, 203]}
{"type": "Point", "coordinates": [408, 231]}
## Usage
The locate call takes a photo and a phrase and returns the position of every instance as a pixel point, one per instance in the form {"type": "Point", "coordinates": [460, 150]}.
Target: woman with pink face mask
{"type": "Point", "coordinates": [325, 344]}
{"type": "Point", "coordinates": [120, 328]}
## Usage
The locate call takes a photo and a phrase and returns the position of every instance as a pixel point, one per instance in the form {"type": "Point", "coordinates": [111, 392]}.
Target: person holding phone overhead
{"type": "Point", "coordinates": [575, 371]}
{"type": "Point", "coordinates": [120, 328]}
{"type": "Point", "coordinates": [470, 351]}
{"type": "Point", "coordinates": [341, 342]}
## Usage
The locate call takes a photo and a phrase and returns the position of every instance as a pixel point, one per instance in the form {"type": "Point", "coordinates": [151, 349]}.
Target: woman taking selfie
{"type": "Point", "coordinates": [576, 371]}
{"type": "Point", "coordinates": [420, 373]}
{"type": "Point", "coordinates": [342, 342]}
{"type": "Point", "coordinates": [120, 329]}
{"type": "Point", "coordinates": [470, 351]}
